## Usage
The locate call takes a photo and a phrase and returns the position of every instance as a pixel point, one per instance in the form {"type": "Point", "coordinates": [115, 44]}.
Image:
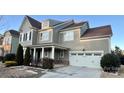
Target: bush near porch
{"type": "Point", "coordinates": [110, 63]}
{"type": "Point", "coordinates": [9, 60]}
{"type": "Point", "coordinates": [27, 59]}
{"type": "Point", "coordinates": [9, 57]}
{"type": "Point", "coordinates": [47, 63]}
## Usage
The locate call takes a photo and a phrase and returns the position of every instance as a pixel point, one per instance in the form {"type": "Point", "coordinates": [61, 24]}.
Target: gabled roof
{"type": "Point", "coordinates": [34, 23]}
{"type": "Point", "coordinates": [13, 32]}
{"type": "Point", "coordinates": [98, 31]}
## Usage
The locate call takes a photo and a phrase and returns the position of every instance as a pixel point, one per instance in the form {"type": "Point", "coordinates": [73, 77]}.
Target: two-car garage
{"type": "Point", "coordinates": [85, 58]}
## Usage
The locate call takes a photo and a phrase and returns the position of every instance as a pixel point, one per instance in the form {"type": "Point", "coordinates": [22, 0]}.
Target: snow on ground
{"type": "Point", "coordinates": [73, 72]}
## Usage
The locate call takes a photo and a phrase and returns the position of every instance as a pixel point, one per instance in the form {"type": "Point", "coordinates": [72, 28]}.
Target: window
{"type": "Point", "coordinates": [68, 36]}
{"type": "Point", "coordinates": [73, 54]}
{"type": "Point", "coordinates": [41, 35]}
{"type": "Point", "coordinates": [97, 54]}
{"type": "Point", "coordinates": [80, 54]}
{"type": "Point", "coordinates": [62, 54]}
{"type": "Point", "coordinates": [8, 41]}
{"type": "Point", "coordinates": [20, 38]}
{"type": "Point", "coordinates": [5, 41]}
{"type": "Point", "coordinates": [30, 36]}
{"type": "Point", "coordinates": [44, 36]}
{"type": "Point", "coordinates": [26, 36]}
{"type": "Point", "coordinates": [88, 54]}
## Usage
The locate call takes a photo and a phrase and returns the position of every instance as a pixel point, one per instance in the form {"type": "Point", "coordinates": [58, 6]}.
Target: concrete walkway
{"type": "Point", "coordinates": [73, 72]}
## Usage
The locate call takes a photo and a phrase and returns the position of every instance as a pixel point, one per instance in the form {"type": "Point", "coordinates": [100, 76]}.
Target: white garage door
{"type": "Point", "coordinates": [86, 59]}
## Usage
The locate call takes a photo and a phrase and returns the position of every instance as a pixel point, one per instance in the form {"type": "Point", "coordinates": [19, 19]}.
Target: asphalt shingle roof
{"type": "Point", "coordinates": [34, 22]}
{"type": "Point", "coordinates": [13, 32]}
{"type": "Point", "coordinates": [74, 25]}
{"type": "Point", "coordinates": [98, 31]}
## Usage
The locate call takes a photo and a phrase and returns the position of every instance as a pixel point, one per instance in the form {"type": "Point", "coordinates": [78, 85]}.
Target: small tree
{"type": "Point", "coordinates": [19, 55]}
{"type": "Point", "coordinates": [27, 58]}
{"type": "Point", "coordinates": [118, 51]}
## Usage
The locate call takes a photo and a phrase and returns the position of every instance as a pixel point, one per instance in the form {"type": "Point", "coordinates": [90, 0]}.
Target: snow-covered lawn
{"type": "Point", "coordinates": [73, 72]}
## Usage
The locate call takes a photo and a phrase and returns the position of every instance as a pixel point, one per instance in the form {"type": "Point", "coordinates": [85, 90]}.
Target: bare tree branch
{"type": "Point", "coordinates": [3, 23]}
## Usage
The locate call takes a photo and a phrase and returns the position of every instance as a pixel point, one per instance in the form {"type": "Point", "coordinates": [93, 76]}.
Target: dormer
{"type": "Point", "coordinates": [49, 23]}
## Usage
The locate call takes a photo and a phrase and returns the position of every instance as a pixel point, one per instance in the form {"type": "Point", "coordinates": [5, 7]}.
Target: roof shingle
{"type": "Point", "coordinates": [34, 22]}
{"type": "Point", "coordinates": [98, 31]}
{"type": "Point", "coordinates": [14, 32]}
{"type": "Point", "coordinates": [74, 25]}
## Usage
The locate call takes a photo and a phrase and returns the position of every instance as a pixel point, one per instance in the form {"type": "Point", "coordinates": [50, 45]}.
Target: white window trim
{"type": "Point", "coordinates": [68, 36]}
{"type": "Point", "coordinates": [45, 36]}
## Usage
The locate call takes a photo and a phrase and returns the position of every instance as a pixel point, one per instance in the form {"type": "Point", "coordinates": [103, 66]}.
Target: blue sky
{"type": "Point", "coordinates": [116, 22]}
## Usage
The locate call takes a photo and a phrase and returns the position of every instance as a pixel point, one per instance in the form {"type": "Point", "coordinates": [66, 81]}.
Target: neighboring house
{"type": "Point", "coordinates": [10, 41]}
{"type": "Point", "coordinates": [67, 40]}
{"type": "Point", "coordinates": [1, 45]}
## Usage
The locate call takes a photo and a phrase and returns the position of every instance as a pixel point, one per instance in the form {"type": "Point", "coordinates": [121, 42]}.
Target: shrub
{"type": "Point", "coordinates": [19, 55]}
{"type": "Point", "coordinates": [47, 63]}
{"type": "Point", "coordinates": [27, 58]}
{"type": "Point", "coordinates": [110, 63]}
{"type": "Point", "coordinates": [9, 57]}
{"type": "Point", "coordinates": [122, 60]}
{"type": "Point", "coordinates": [1, 58]}
{"type": "Point", "coordinates": [10, 63]}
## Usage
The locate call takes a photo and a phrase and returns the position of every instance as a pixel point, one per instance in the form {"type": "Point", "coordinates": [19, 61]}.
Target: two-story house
{"type": "Point", "coordinates": [66, 40]}
{"type": "Point", "coordinates": [10, 41]}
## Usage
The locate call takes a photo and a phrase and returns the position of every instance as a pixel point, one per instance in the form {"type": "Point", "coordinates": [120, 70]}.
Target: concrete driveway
{"type": "Point", "coordinates": [73, 72]}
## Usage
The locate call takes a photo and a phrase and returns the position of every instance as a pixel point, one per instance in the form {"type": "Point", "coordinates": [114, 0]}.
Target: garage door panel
{"type": "Point", "coordinates": [87, 59]}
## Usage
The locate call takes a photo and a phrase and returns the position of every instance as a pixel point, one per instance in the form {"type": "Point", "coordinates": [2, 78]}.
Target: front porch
{"type": "Point", "coordinates": [58, 54]}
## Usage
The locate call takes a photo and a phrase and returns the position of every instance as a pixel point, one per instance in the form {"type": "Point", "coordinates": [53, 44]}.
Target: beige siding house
{"type": "Point", "coordinates": [68, 40]}
{"type": "Point", "coordinates": [10, 41]}
{"type": "Point", "coordinates": [1, 45]}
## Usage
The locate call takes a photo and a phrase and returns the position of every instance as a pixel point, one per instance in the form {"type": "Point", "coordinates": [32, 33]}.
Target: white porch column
{"type": "Point", "coordinates": [42, 56]}
{"type": "Point", "coordinates": [34, 54]}
{"type": "Point", "coordinates": [24, 49]}
{"type": "Point", "coordinates": [53, 52]}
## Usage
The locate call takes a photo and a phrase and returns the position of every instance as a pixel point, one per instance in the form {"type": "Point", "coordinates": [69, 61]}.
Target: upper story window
{"type": "Point", "coordinates": [7, 41]}
{"type": "Point", "coordinates": [20, 37]}
{"type": "Point", "coordinates": [44, 36]}
{"type": "Point", "coordinates": [68, 36]}
{"type": "Point", "coordinates": [23, 37]}
{"type": "Point", "coordinates": [30, 36]}
{"type": "Point", "coordinates": [26, 36]}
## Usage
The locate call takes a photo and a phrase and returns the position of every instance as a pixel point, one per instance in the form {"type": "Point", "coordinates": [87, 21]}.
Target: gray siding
{"type": "Point", "coordinates": [68, 43]}
{"type": "Point", "coordinates": [96, 45]}
{"type": "Point", "coordinates": [26, 27]}
{"type": "Point", "coordinates": [89, 45]}
{"type": "Point", "coordinates": [15, 42]}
